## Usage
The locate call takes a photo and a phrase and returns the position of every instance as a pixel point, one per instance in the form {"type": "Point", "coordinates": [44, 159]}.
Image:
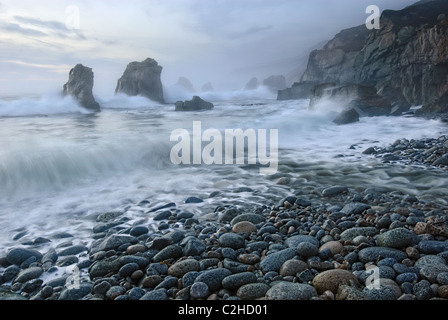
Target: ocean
{"type": "Point", "coordinates": [60, 166]}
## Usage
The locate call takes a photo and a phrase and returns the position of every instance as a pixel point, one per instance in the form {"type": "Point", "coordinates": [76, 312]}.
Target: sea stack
{"type": "Point", "coordinates": [196, 104]}
{"type": "Point", "coordinates": [80, 85]}
{"type": "Point", "coordinates": [142, 78]}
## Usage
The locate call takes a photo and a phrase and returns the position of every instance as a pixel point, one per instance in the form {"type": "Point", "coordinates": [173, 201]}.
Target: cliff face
{"type": "Point", "coordinates": [406, 60]}
{"type": "Point", "coordinates": [80, 85]}
{"type": "Point", "coordinates": [142, 78]}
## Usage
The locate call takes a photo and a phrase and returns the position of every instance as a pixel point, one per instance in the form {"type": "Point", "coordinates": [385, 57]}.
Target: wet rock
{"type": "Point", "coordinates": [252, 291]}
{"type": "Point", "coordinates": [332, 279]}
{"type": "Point", "coordinates": [142, 79]}
{"type": "Point", "coordinates": [213, 278]}
{"type": "Point", "coordinates": [80, 86]}
{"type": "Point", "coordinates": [395, 238]}
{"type": "Point", "coordinates": [274, 261]}
{"type": "Point", "coordinates": [180, 268]}
{"type": "Point", "coordinates": [290, 291]}
{"type": "Point", "coordinates": [19, 255]}
{"type": "Point", "coordinates": [372, 254]}
{"type": "Point", "coordinates": [196, 104]}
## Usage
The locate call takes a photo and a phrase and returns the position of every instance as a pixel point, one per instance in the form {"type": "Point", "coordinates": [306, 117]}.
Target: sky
{"type": "Point", "coordinates": [225, 42]}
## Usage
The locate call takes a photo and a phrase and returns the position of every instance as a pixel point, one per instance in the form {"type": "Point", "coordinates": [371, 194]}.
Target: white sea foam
{"type": "Point", "coordinates": [48, 104]}
{"type": "Point", "coordinates": [58, 170]}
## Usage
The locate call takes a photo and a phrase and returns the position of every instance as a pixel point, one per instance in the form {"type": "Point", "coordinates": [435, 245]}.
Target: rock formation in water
{"type": "Point", "coordinates": [406, 60]}
{"type": "Point", "coordinates": [346, 117]}
{"type": "Point", "coordinates": [80, 85]}
{"type": "Point", "coordinates": [275, 83]}
{"type": "Point", "coordinates": [196, 104]}
{"type": "Point", "coordinates": [186, 85]}
{"type": "Point", "coordinates": [252, 84]}
{"type": "Point", "coordinates": [142, 78]}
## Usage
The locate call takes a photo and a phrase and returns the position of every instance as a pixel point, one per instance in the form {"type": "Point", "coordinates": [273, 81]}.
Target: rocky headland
{"type": "Point", "coordinates": [405, 61]}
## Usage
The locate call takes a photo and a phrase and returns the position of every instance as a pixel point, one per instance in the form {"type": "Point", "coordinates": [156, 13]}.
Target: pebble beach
{"type": "Point", "coordinates": [319, 243]}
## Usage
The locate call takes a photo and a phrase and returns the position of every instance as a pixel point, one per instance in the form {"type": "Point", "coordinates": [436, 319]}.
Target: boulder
{"type": "Point", "coordinates": [80, 86]}
{"type": "Point", "coordinates": [196, 104]}
{"type": "Point", "coordinates": [142, 78]}
{"type": "Point", "coordinates": [347, 117]}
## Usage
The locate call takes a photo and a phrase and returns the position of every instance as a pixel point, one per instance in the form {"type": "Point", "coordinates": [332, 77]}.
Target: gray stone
{"type": "Point", "coordinates": [307, 249]}
{"type": "Point", "coordinates": [432, 246]}
{"type": "Point", "coordinates": [352, 233]}
{"type": "Point", "coordinates": [103, 267]}
{"type": "Point", "coordinates": [73, 250]}
{"type": "Point", "coordinates": [442, 278]}
{"type": "Point", "coordinates": [76, 292]}
{"type": "Point", "coordinates": [252, 291]}
{"type": "Point", "coordinates": [372, 254]}
{"type": "Point", "coordinates": [290, 291]}
{"type": "Point", "coordinates": [395, 238]}
{"type": "Point", "coordinates": [274, 261]}
{"type": "Point", "coordinates": [196, 104]}
{"type": "Point", "coordinates": [251, 217]}
{"type": "Point", "coordinates": [142, 79]}
{"type": "Point", "coordinates": [67, 260]}
{"type": "Point", "coordinates": [334, 191]}
{"type": "Point", "coordinates": [194, 247]}
{"type": "Point", "coordinates": [138, 231]}
{"type": "Point", "coordinates": [128, 269]}
{"type": "Point", "coordinates": [101, 288]}
{"type": "Point", "coordinates": [80, 85]}
{"type": "Point", "coordinates": [29, 274]}
{"type": "Point", "coordinates": [354, 208]}
{"type": "Point", "coordinates": [422, 290]}
{"type": "Point", "coordinates": [429, 260]}
{"type": "Point", "coordinates": [406, 277]}
{"type": "Point", "coordinates": [199, 290]}
{"type": "Point", "coordinates": [111, 242]}
{"type": "Point", "coordinates": [167, 283]}
{"type": "Point", "coordinates": [180, 268]}
{"type": "Point", "coordinates": [234, 281]}
{"type": "Point", "coordinates": [171, 252]}
{"type": "Point", "coordinates": [381, 293]}
{"type": "Point", "coordinates": [159, 294]}
{"type": "Point", "coordinates": [114, 292]}
{"type": "Point", "coordinates": [294, 241]}
{"type": "Point", "coordinates": [189, 277]}
{"type": "Point", "coordinates": [346, 292]}
{"type": "Point", "coordinates": [213, 278]}
{"type": "Point", "coordinates": [19, 255]}
{"type": "Point", "coordinates": [231, 240]}
{"type": "Point", "coordinates": [228, 215]}
{"type": "Point", "coordinates": [347, 117]}
{"type": "Point", "coordinates": [10, 273]}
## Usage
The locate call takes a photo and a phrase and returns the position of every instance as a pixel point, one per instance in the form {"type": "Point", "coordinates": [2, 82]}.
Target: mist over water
{"type": "Point", "coordinates": [61, 165]}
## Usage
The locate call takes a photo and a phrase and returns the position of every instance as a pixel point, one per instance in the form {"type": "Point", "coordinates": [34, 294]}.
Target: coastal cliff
{"type": "Point", "coordinates": [406, 60]}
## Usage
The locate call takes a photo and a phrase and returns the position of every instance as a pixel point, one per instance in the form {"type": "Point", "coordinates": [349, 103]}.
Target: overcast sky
{"type": "Point", "coordinates": [222, 41]}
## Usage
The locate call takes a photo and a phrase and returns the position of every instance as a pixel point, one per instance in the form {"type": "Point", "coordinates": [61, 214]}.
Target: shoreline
{"type": "Point", "coordinates": [324, 244]}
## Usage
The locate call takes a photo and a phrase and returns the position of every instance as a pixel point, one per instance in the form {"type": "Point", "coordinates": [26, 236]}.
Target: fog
{"type": "Point", "coordinates": [225, 42]}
